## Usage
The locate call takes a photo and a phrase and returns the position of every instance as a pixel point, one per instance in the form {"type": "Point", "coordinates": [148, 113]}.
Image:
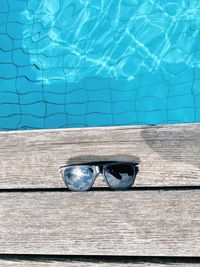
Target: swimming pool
{"type": "Point", "coordinates": [75, 63]}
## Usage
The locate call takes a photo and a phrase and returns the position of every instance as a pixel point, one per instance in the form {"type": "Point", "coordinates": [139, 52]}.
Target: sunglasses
{"type": "Point", "coordinates": [117, 175]}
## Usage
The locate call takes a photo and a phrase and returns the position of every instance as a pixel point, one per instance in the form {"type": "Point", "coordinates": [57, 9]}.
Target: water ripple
{"type": "Point", "coordinates": [111, 39]}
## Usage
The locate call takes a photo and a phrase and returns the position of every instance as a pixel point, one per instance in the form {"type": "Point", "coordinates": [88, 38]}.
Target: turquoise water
{"type": "Point", "coordinates": [75, 63]}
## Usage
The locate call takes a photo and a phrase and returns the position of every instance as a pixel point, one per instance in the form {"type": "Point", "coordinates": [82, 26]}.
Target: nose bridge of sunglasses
{"type": "Point", "coordinates": [97, 169]}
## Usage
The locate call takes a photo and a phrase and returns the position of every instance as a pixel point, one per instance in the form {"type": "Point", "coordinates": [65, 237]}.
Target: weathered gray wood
{"type": "Point", "coordinates": [131, 223]}
{"type": "Point", "coordinates": [80, 262]}
{"type": "Point", "coordinates": [169, 154]}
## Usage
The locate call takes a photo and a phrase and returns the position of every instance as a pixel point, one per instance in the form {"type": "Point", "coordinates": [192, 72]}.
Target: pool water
{"type": "Point", "coordinates": [75, 63]}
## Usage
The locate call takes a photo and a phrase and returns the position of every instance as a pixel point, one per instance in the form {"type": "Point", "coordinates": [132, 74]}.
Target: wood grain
{"type": "Point", "coordinates": [169, 154]}
{"type": "Point", "coordinates": [130, 223]}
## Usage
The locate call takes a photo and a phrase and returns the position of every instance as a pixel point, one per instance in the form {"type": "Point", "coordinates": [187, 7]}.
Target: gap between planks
{"type": "Point", "coordinates": [71, 261]}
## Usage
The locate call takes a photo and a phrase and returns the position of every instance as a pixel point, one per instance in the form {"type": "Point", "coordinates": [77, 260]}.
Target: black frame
{"type": "Point", "coordinates": [101, 165]}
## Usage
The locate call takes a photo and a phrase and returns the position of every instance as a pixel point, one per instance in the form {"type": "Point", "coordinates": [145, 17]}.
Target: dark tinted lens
{"type": "Point", "coordinates": [120, 175]}
{"type": "Point", "coordinates": [79, 178]}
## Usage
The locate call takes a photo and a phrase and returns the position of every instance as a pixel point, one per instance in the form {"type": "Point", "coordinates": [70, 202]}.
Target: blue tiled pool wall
{"type": "Point", "coordinates": [75, 63]}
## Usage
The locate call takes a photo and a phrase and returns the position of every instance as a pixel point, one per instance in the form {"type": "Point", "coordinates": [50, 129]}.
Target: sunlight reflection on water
{"type": "Point", "coordinates": [79, 63]}
{"type": "Point", "coordinates": [110, 39]}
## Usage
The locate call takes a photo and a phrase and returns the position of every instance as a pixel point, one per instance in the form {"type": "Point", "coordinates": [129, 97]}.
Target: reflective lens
{"type": "Point", "coordinates": [79, 178]}
{"type": "Point", "coordinates": [120, 175]}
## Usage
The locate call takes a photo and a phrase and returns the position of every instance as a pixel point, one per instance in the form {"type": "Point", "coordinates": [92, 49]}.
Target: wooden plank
{"type": "Point", "coordinates": [169, 154]}
{"type": "Point", "coordinates": [95, 262]}
{"type": "Point", "coordinates": [130, 223]}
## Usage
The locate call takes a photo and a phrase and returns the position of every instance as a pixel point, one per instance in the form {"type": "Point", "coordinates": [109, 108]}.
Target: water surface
{"type": "Point", "coordinates": [75, 63]}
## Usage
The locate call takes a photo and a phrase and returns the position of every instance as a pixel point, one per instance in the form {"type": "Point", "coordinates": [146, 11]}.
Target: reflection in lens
{"type": "Point", "coordinates": [120, 175]}
{"type": "Point", "coordinates": [78, 178]}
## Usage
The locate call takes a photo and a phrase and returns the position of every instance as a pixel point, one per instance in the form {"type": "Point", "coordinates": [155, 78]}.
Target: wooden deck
{"type": "Point", "coordinates": [155, 223]}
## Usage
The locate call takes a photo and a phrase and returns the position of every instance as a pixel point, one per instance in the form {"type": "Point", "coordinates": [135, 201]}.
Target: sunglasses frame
{"type": "Point", "coordinates": [99, 168]}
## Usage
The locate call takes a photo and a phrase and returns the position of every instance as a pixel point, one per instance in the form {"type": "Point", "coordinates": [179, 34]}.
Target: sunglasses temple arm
{"type": "Point", "coordinates": [136, 170]}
